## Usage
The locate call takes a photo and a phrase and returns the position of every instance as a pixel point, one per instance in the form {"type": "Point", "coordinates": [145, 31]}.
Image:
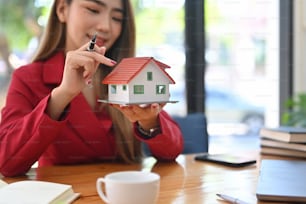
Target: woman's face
{"type": "Point", "coordinates": [84, 18]}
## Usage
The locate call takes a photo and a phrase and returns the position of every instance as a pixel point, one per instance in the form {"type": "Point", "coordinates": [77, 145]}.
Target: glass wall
{"type": "Point", "coordinates": [241, 54]}
{"type": "Point", "coordinates": [242, 65]}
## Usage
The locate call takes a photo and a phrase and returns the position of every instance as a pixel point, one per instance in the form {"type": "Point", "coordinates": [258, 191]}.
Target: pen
{"type": "Point", "coordinates": [92, 43]}
{"type": "Point", "coordinates": [91, 48]}
{"type": "Point", "coordinates": [231, 199]}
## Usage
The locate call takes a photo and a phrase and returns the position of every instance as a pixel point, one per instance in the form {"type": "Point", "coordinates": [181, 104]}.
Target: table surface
{"type": "Point", "coordinates": [183, 181]}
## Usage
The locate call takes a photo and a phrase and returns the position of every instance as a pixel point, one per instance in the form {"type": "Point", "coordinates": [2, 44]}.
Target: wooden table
{"type": "Point", "coordinates": [184, 181]}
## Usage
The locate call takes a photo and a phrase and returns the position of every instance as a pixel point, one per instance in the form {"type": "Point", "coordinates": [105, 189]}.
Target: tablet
{"type": "Point", "coordinates": [226, 159]}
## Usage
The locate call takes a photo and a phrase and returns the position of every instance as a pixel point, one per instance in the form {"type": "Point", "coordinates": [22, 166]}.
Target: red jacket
{"type": "Point", "coordinates": [27, 134]}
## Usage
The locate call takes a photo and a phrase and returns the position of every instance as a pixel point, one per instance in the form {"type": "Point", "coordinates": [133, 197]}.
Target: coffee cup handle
{"type": "Point", "coordinates": [99, 189]}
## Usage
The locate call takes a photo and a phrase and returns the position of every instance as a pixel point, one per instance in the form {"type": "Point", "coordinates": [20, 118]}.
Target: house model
{"type": "Point", "coordinates": [138, 80]}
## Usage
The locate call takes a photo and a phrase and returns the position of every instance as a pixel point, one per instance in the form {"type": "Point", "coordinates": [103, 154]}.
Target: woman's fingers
{"type": "Point", "coordinates": [87, 62]}
{"type": "Point", "coordinates": [97, 54]}
{"type": "Point", "coordinates": [150, 110]}
{"type": "Point", "coordinates": [102, 59]}
{"type": "Point", "coordinates": [136, 112]}
{"type": "Point", "coordinates": [81, 65]}
{"type": "Point", "coordinates": [100, 50]}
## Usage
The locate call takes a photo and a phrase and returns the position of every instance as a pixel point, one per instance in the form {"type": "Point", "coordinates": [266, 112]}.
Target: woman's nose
{"type": "Point", "coordinates": [103, 24]}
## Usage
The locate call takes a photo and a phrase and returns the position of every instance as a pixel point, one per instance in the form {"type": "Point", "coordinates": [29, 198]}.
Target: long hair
{"type": "Point", "coordinates": [53, 40]}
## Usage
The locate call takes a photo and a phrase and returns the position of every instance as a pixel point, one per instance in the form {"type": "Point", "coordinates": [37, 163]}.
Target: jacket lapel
{"type": "Point", "coordinates": [53, 69]}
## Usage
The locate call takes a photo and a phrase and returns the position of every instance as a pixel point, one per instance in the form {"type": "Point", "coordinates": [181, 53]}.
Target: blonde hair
{"type": "Point", "coordinates": [53, 40]}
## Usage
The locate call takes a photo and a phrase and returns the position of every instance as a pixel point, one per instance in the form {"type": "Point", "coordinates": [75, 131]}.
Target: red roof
{"type": "Point", "coordinates": [128, 68]}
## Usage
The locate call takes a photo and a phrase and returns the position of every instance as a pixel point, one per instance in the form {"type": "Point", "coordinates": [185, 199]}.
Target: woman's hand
{"type": "Point", "coordinates": [147, 116]}
{"type": "Point", "coordinates": [80, 66]}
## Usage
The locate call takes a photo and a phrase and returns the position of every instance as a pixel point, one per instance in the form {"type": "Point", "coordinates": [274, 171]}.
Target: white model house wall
{"type": "Point", "coordinates": [149, 95]}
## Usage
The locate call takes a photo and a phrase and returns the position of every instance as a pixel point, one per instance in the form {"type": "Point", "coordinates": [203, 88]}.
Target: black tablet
{"type": "Point", "coordinates": [227, 159]}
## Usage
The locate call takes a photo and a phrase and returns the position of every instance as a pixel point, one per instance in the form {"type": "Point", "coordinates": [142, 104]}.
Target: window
{"type": "Point", "coordinates": [160, 89]}
{"type": "Point", "coordinates": [149, 76]}
{"type": "Point", "coordinates": [241, 56]}
{"type": "Point", "coordinates": [138, 89]}
{"type": "Point", "coordinates": [242, 65]}
{"type": "Point", "coordinates": [113, 89]}
{"type": "Point", "coordinates": [124, 87]}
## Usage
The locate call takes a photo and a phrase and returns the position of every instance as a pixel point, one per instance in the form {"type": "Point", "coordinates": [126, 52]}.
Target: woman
{"type": "Point", "coordinates": [52, 115]}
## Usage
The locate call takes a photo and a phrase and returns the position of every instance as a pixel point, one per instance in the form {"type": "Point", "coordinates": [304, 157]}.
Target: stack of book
{"type": "Point", "coordinates": [283, 141]}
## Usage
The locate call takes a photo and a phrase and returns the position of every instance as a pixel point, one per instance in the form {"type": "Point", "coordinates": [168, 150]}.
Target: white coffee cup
{"type": "Point", "coordinates": [129, 187]}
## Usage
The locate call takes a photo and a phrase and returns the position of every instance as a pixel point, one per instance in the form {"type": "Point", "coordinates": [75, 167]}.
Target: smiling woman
{"type": "Point", "coordinates": [55, 117]}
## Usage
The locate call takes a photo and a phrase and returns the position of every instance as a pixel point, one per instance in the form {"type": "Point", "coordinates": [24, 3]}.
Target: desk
{"type": "Point", "coordinates": [182, 182]}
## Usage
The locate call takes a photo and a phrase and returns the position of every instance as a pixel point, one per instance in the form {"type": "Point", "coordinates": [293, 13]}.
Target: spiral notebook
{"type": "Point", "coordinates": [282, 180]}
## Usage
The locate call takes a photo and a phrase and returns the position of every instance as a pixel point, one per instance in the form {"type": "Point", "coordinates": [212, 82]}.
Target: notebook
{"type": "Point", "coordinates": [282, 180]}
{"type": "Point", "coordinates": [36, 192]}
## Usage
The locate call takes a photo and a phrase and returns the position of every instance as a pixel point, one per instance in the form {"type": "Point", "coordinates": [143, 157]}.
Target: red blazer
{"type": "Point", "coordinates": [28, 135]}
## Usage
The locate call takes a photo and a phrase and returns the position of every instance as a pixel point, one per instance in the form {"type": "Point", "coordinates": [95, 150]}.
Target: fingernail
{"type": "Point", "coordinates": [89, 81]}
{"type": "Point", "coordinates": [85, 75]}
{"type": "Point", "coordinates": [113, 62]}
{"type": "Point", "coordinates": [154, 105]}
{"type": "Point", "coordinates": [143, 105]}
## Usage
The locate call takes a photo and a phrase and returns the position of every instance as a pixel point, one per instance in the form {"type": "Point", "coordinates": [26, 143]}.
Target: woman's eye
{"type": "Point", "coordinates": [117, 19]}
{"type": "Point", "coordinates": [93, 10]}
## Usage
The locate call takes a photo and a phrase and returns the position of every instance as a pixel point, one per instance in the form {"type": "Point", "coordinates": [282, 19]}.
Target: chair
{"type": "Point", "coordinates": [194, 129]}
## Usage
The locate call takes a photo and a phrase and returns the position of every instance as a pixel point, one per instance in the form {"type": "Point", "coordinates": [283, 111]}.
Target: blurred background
{"type": "Point", "coordinates": [242, 55]}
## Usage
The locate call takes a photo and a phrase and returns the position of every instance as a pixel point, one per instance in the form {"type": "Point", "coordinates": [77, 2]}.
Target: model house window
{"type": "Point", "coordinates": [160, 89]}
{"type": "Point", "coordinates": [124, 87]}
{"type": "Point", "coordinates": [113, 89]}
{"type": "Point", "coordinates": [149, 76]}
{"type": "Point", "coordinates": [138, 89]}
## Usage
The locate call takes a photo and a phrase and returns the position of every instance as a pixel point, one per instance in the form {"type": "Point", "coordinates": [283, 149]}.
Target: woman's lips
{"type": "Point", "coordinates": [100, 42]}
